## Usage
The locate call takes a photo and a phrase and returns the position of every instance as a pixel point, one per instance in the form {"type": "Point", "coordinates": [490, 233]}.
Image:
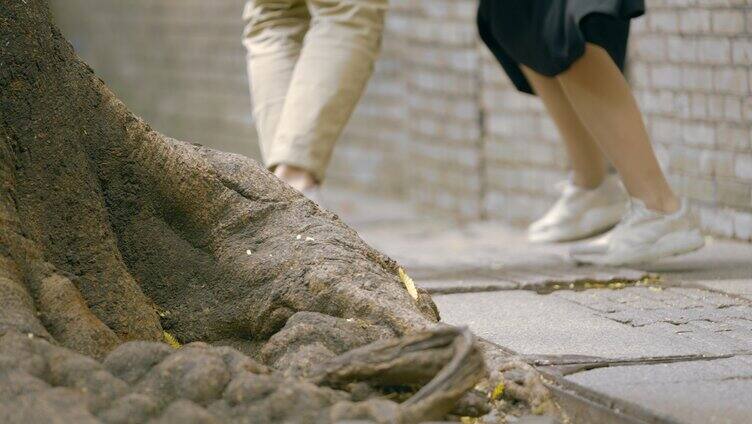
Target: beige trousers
{"type": "Point", "coordinates": [308, 64]}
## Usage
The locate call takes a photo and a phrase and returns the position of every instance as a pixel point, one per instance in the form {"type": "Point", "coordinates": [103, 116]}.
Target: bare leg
{"type": "Point", "coordinates": [603, 100]}
{"type": "Point", "coordinates": [586, 158]}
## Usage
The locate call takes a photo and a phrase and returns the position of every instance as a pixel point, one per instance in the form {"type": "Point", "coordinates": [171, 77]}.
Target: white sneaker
{"type": "Point", "coordinates": [581, 213]}
{"type": "Point", "coordinates": [597, 246]}
{"type": "Point", "coordinates": [644, 236]}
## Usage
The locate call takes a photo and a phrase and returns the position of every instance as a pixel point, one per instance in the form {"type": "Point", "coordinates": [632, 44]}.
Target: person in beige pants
{"type": "Point", "coordinates": [308, 64]}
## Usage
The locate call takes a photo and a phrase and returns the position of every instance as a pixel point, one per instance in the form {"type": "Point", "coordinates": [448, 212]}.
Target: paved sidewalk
{"type": "Point", "coordinates": [616, 346]}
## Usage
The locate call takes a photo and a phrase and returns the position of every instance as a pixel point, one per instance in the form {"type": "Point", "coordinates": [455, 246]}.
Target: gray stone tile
{"type": "Point", "coordinates": [707, 297]}
{"type": "Point", "coordinates": [608, 323]}
{"type": "Point", "coordinates": [737, 287]}
{"type": "Point", "coordinates": [741, 323]}
{"type": "Point", "coordinates": [703, 344]}
{"type": "Point", "coordinates": [534, 324]}
{"type": "Point", "coordinates": [675, 372]}
{"type": "Point", "coordinates": [715, 391]}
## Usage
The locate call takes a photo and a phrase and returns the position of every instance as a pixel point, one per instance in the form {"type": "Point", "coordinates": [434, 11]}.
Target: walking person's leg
{"type": "Point", "coordinates": [603, 100]}
{"type": "Point", "coordinates": [585, 157]}
{"type": "Point", "coordinates": [571, 53]}
{"type": "Point", "coordinates": [591, 201]}
{"type": "Point", "coordinates": [273, 36]}
{"type": "Point", "coordinates": [330, 76]}
{"type": "Point", "coordinates": [659, 224]}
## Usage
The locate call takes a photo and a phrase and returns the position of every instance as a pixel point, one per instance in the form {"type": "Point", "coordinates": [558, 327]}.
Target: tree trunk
{"type": "Point", "coordinates": [111, 232]}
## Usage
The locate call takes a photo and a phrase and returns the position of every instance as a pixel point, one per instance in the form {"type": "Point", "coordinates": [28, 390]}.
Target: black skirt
{"type": "Point", "coordinates": [548, 36]}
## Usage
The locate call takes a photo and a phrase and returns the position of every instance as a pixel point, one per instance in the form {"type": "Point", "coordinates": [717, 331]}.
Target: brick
{"type": "Point", "coordinates": [698, 134]}
{"type": "Point", "coordinates": [747, 108]}
{"type": "Point", "coordinates": [742, 51]}
{"type": "Point", "coordinates": [743, 167]}
{"type": "Point", "coordinates": [639, 75]}
{"type": "Point", "coordinates": [698, 106]}
{"type": "Point", "coordinates": [732, 108]}
{"type": "Point", "coordinates": [715, 106]}
{"type": "Point", "coordinates": [649, 48]}
{"type": "Point", "coordinates": [666, 76]}
{"type": "Point", "coordinates": [697, 78]}
{"type": "Point", "coordinates": [717, 220]}
{"type": "Point", "coordinates": [703, 189]}
{"type": "Point", "coordinates": [695, 21]}
{"type": "Point", "coordinates": [731, 80]}
{"type": "Point", "coordinates": [732, 137]}
{"type": "Point", "coordinates": [715, 162]}
{"type": "Point", "coordinates": [728, 21]}
{"type": "Point", "coordinates": [743, 226]}
{"type": "Point", "coordinates": [686, 161]}
{"type": "Point", "coordinates": [715, 51]}
{"type": "Point", "coordinates": [663, 21]}
{"type": "Point", "coordinates": [681, 48]}
{"type": "Point", "coordinates": [734, 193]}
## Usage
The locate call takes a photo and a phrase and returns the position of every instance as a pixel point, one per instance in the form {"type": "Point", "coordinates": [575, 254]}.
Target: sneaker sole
{"type": "Point", "coordinates": [670, 245]}
{"type": "Point", "coordinates": [605, 219]}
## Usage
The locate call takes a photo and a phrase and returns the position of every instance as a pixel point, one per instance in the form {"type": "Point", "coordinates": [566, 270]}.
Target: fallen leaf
{"type": "Point", "coordinates": [409, 284]}
{"type": "Point", "coordinates": [498, 391]}
{"type": "Point", "coordinates": [171, 340]}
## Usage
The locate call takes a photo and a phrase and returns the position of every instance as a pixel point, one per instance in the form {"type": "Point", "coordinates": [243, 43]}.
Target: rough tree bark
{"type": "Point", "coordinates": [111, 232]}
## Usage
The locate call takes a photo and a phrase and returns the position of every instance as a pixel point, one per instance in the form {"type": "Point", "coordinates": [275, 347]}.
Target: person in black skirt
{"type": "Point", "coordinates": [571, 54]}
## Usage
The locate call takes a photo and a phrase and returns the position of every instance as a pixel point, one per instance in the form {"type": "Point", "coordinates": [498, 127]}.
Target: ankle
{"type": "Point", "coordinates": [587, 181]}
{"type": "Point", "coordinates": [667, 204]}
{"type": "Point", "coordinates": [298, 178]}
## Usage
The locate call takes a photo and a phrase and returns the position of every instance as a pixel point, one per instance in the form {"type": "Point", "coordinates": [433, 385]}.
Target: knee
{"type": "Point", "coordinates": [364, 13]}
{"type": "Point", "coordinates": [261, 15]}
{"type": "Point", "coordinates": [355, 23]}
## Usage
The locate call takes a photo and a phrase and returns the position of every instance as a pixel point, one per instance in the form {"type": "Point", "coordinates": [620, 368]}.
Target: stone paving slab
{"type": "Point", "coordinates": [533, 324]}
{"type": "Point", "coordinates": [741, 288]}
{"type": "Point", "coordinates": [702, 392]}
{"type": "Point", "coordinates": [674, 372]}
{"type": "Point", "coordinates": [631, 323]}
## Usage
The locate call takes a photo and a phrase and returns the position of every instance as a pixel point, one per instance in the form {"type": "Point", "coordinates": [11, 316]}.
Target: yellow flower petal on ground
{"type": "Point", "coordinates": [171, 340]}
{"type": "Point", "coordinates": [498, 391]}
{"type": "Point", "coordinates": [409, 284]}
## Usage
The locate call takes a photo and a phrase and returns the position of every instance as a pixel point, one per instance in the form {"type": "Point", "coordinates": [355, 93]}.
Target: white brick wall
{"type": "Point", "coordinates": [440, 124]}
{"type": "Point", "coordinates": [179, 63]}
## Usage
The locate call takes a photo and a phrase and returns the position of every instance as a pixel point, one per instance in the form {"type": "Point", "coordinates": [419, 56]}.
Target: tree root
{"type": "Point", "coordinates": [142, 381]}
